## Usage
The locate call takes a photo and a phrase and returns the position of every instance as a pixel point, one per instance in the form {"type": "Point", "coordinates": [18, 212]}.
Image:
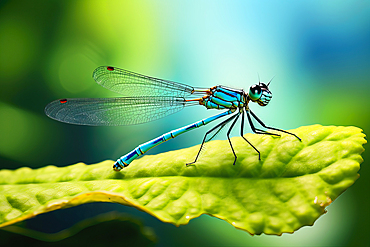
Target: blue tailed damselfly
{"type": "Point", "coordinates": [148, 98]}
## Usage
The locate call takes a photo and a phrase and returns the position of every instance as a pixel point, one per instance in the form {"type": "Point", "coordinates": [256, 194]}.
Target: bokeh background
{"type": "Point", "coordinates": [318, 51]}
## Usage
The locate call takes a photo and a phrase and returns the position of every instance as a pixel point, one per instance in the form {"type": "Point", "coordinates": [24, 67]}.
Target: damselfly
{"type": "Point", "coordinates": [148, 98]}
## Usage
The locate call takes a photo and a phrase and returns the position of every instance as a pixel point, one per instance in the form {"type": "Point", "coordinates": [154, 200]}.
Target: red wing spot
{"type": "Point", "coordinates": [110, 68]}
{"type": "Point", "coordinates": [63, 101]}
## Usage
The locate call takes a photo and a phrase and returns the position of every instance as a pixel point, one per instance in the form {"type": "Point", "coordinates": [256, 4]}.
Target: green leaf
{"type": "Point", "coordinates": [289, 188]}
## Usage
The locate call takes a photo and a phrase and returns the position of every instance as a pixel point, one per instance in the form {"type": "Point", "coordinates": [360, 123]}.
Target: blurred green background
{"type": "Point", "coordinates": [318, 51]}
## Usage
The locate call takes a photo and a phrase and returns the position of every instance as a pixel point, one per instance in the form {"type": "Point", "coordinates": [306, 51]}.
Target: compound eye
{"type": "Point", "coordinates": [255, 92]}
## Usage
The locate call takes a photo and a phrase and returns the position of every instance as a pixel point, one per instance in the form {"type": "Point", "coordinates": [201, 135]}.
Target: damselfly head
{"type": "Point", "coordinates": [260, 93]}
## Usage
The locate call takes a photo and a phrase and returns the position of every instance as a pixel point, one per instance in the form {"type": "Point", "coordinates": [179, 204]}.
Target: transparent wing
{"type": "Point", "coordinates": [132, 84]}
{"type": "Point", "coordinates": [114, 111]}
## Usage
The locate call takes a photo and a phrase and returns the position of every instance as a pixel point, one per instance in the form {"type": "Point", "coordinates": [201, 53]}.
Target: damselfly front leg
{"type": "Point", "coordinates": [258, 131]}
{"type": "Point", "coordinates": [267, 127]}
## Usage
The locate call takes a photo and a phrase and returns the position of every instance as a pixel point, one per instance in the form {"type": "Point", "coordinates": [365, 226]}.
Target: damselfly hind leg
{"type": "Point", "coordinates": [217, 128]}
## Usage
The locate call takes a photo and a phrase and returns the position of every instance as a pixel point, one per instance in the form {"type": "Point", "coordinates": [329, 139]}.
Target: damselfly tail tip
{"type": "Point", "coordinates": [117, 167]}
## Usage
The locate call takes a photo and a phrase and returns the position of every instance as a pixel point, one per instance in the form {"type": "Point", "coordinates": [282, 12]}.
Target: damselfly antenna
{"type": "Point", "coordinates": [270, 81]}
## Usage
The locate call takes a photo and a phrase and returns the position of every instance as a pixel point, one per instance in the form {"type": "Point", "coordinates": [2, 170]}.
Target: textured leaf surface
{"type": "Point", "coordinates": [289, 188]}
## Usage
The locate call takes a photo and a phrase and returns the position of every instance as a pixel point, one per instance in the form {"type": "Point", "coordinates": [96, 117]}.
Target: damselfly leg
{"type": "Point", "coordinates": [242, 135]}
{"type": "Point", "coordinates": [218, 127]}
{"type": "Point", "coordinates": [259, 131]}
{"type": "Point", "coordinates": [228, 137]}
{"type": "Point", "coordinates": [267, 127]}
